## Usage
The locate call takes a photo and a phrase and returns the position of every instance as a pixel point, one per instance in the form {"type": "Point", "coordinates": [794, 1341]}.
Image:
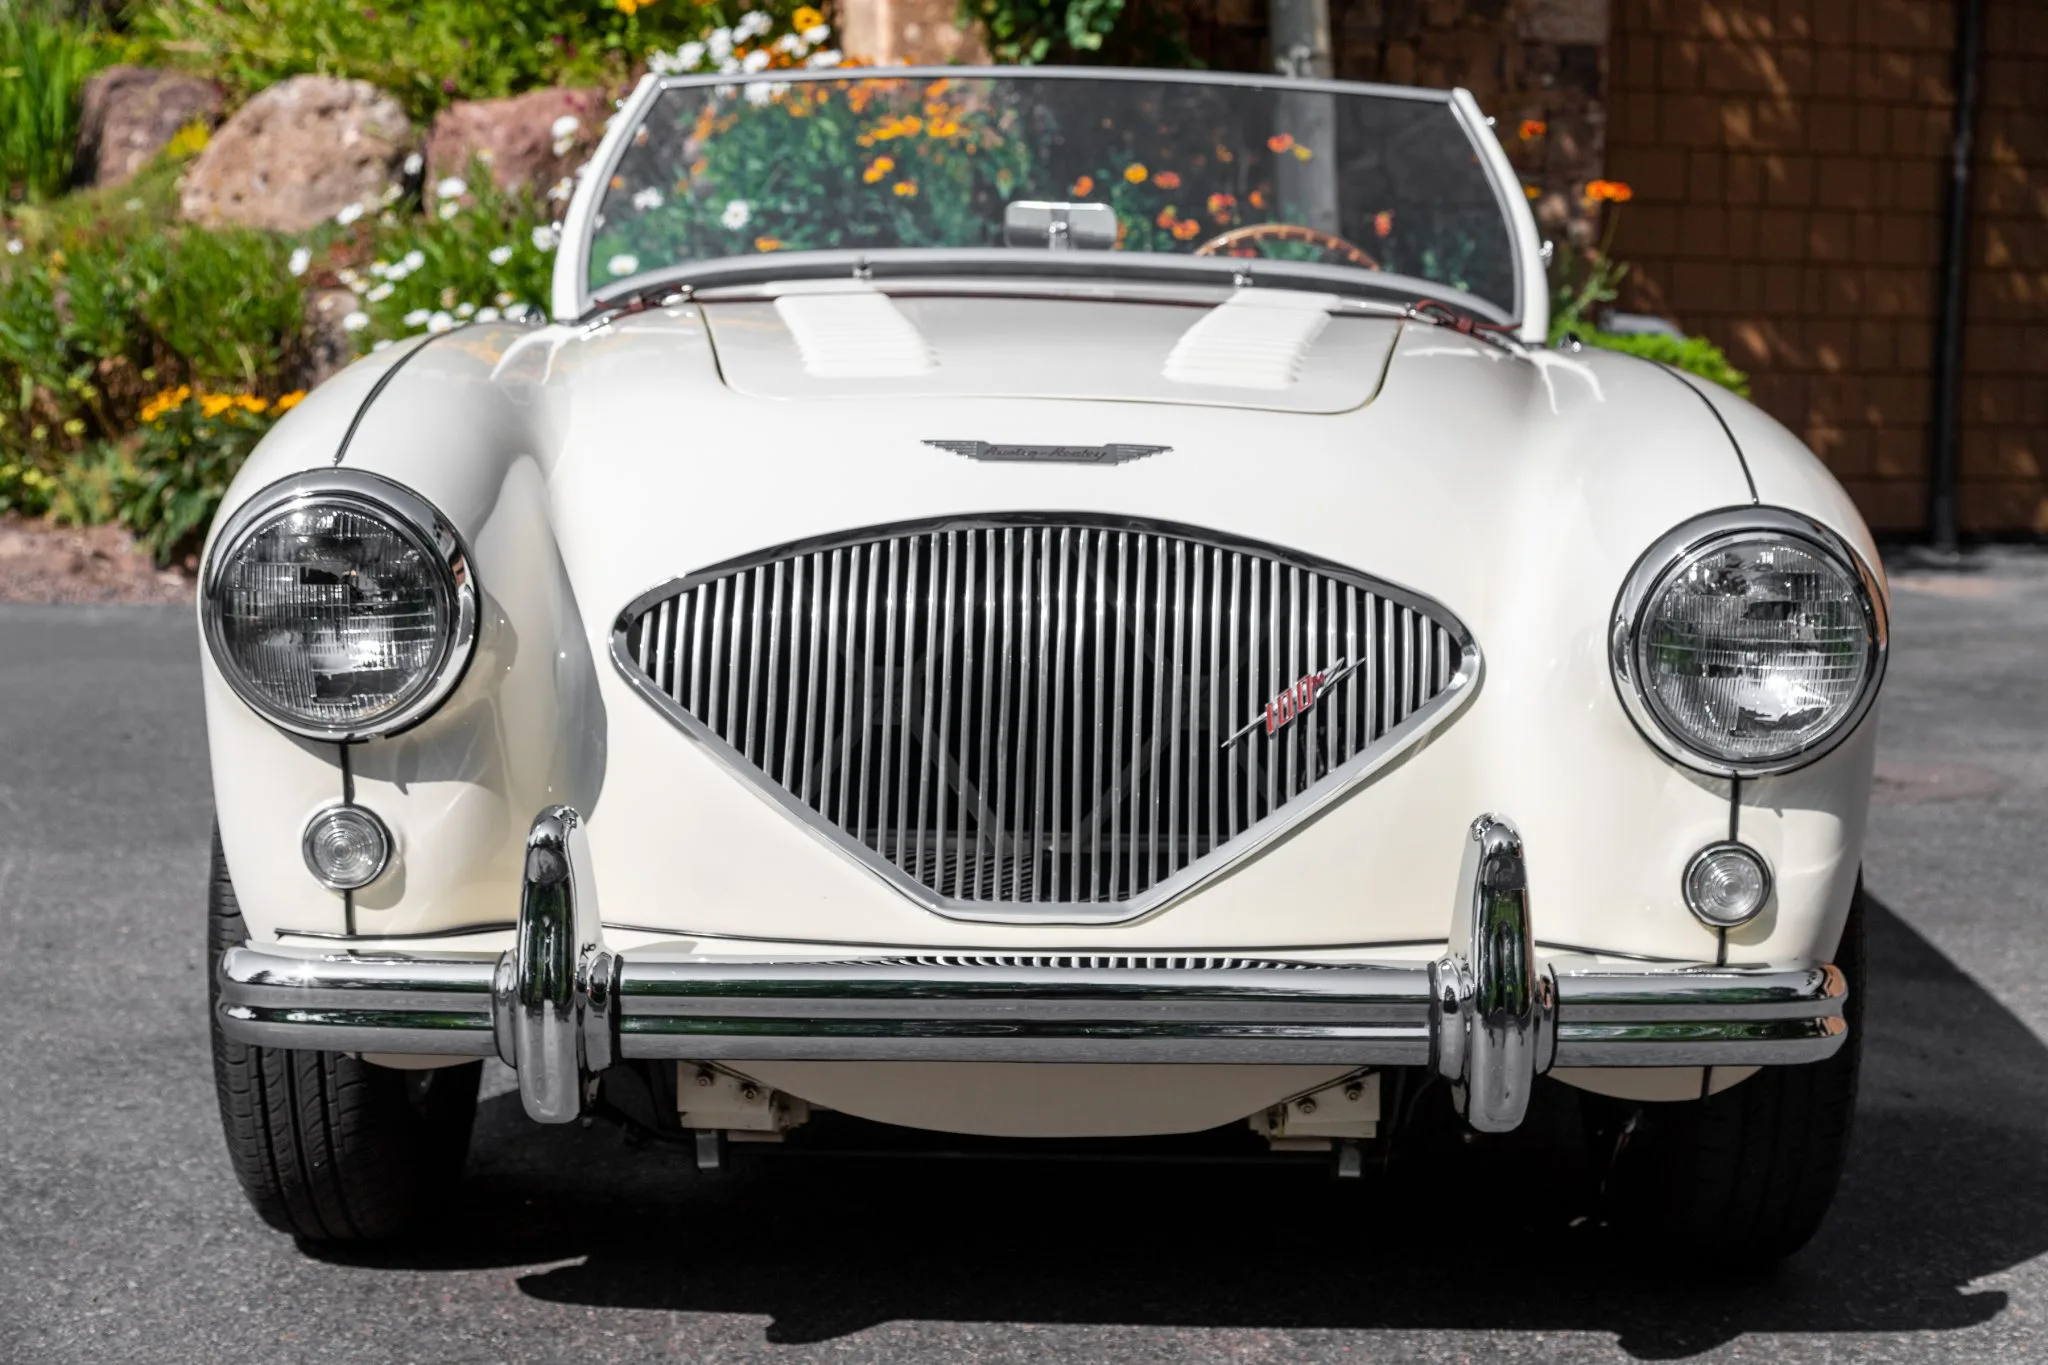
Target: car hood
{"type": "Point", "coordinates": [1277, 350]}
{"type": "Point", "coordinates": [680, 438]}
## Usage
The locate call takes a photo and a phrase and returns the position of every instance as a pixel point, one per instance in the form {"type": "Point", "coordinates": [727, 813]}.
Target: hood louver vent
{"type": "Point", "coordinates": [1041, 719]}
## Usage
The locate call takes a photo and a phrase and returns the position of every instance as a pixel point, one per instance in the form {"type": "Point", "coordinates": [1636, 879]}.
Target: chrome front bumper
{"type": "Point", "coordinates": [1489, 1015]}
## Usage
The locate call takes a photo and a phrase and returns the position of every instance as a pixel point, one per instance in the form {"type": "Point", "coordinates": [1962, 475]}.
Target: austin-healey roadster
{"type": "Point", "coordinates": [1040, 605]}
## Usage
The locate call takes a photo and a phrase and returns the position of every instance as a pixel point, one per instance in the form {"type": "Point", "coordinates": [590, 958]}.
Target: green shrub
{"type": "Point", "coordinates": [478, 254]}
{"type": "Point", "coordinates": [427, 53]}
{"type": "Point", "coordinates": [190, 445]}
{"type": "Point", "coordinates": [1696, 355]}
{"type": "Point", "coordinates": [44, 63]}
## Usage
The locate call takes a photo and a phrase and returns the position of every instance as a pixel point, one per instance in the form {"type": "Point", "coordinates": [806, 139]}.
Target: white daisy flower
{"type": "Point", "coordinates": [831, 56]}
{"type": "Point", "coordinates": [757, 60]}
{"type": "Point", "coordinates": [451, 188]}
{"type": "Point", "coordinates": [517, 312]}
{"type": "Point", "coordinates": [449, 209]}
{"type": "Point", "coordinates": [562, 188]}
{"type": "Point", "coordinates": [546, 237]}
{"type": "Point", "coordinates": [565, 126]}
{"type": "Point", "coordinates": [790, 43]}
{"type": "Point", "coordinates": [414, 164]}
{"type": "Point", "coordinates": [14, 246]}
{"type": "Point", "coordinates": [504, 299]}
{"type": "Point", "coordinates": [737, 215]}
{"type": "Point", "coordinates": [381, 292]}
{"type": "Point", "coordinates": [414, 260]}
{"type": "Point", "coordinates": [752, 24]}
{"type": "Point", "coordinates": [465, 310]}
{"type": "Point", "coordinates": [348, 214]}
{"type": "Point", "coordinates": [817, 33]}
{"type": "Point", "coordinates": [622, 264]}
{"type": "Point", "coordinates": [417, 317]}
{"type": "Point", "coordinates": [300, 259]}
{"type": "Point", "coordinates": [487, 314]}
{"type": "Point", "coordinates": [719, 44]}
{"type": "Point", "coordinates": [690, 56]}
{"type": "Point", "coordinates": [439, 323]}
{"type": "Point", "coordinates": [649, 198]}
{"type": "Point", "coordinates": [498, 255]}
{"type": "Point", "coordinates": [355, 322]}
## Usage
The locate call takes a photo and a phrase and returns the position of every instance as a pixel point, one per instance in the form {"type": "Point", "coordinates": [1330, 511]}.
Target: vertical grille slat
{"type": "Point", "coordinates": [1047, 717]}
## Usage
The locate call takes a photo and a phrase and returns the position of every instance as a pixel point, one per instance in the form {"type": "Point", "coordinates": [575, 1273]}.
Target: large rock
{"type": "Point", "coordinates": [517, 137]}
{"type": "Point", "coordinates": [298, 154]}
{"type": "Point", "coordinates": [128, 113]}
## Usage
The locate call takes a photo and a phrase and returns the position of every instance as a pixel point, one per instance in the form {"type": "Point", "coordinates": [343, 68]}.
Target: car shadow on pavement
{"type": "Point", "coordinates": [1946, 1186]}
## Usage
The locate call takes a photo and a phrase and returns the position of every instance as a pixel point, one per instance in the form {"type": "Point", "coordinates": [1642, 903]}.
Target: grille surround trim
{"type": "Point", "coordinates": [1394, 743]}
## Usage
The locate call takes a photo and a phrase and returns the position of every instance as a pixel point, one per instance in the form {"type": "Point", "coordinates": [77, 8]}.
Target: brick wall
{"type": "Point", "coordinates": [2004, 399]}
{"type": "Point", "coordinates": [1789, 159]}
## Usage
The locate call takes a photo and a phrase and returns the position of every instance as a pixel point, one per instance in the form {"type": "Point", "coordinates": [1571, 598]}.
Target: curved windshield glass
{"type": "Point", "coordinates": [1369, 181]}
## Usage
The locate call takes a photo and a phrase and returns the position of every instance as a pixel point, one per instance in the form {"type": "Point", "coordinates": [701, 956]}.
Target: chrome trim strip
{"type": "Point", "coordinates": [1650, 573]}
{"type": "Point", "coordinates": [1051, 602]}
{"type": "Point", "coordinates": [433, 534]}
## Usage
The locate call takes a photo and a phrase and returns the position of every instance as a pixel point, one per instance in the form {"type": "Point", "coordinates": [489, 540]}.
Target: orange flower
{"type": "Point", "coordinates": [937, 87]}
{"type": "Point", "coordinates": [767, 244]}
{"type": "Point", "coordinates": [1083, 187]}
{"type": "Point", "coordinates": [1531, 192]}
{"type": "Point", "coordinates": [1279, 143]}
{"type": "Point", "coordinates": [1383, 222]}
{"type": "Point", "coordinates": [1258, 199]}
{"type": "Point", "coordinates": [1533, 128]}
{"type": "Point", "coordinates": [1185, 229]}
{"type": "Point", "coordinates": [942, 127]}
{"type": "Point", "coordinates": [1167, 180]}
{"type": "Point", "coordinates": [905, 189]}
{"type": "Point", "coordinates": [1608, 192]}
{"type": "Point", "coordinates": [1221, 206]}
{"type": "Point", "coordinates": [1166, 217]}
{"type": "Point", "coordinates": [878, 168]}
{"type": "Point", "coordinates": [1136, 172]}
{"type": "Point", "coordinates": [1224, 154]}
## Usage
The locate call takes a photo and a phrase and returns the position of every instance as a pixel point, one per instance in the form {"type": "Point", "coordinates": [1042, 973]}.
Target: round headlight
{"type": "Point", "coordinates": [339, 605]}
{"type": "Point", "coordinates": [1749, 642]}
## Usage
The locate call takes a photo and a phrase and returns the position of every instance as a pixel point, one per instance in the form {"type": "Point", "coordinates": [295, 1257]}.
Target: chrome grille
{"type": "Point", "coordinates": [1045, 718]}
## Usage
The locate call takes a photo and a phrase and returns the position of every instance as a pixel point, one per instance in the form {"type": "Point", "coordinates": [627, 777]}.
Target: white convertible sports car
{"type": "Point", "coordinates": [1043, 605]}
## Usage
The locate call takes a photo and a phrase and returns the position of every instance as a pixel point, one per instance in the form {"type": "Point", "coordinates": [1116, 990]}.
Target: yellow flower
{"type": "Point", "coordinates": [767, 244]}
{"type": "Point", "coordinates": [289, 401]}
{"type": "Point", "coordinates": [627, 7]}
{"type": "Point", "coordinates": [878, 168]}
{"type": "Point", "coordinates": [1302, 153]}
{"type": "Point", "coordinates": [249, 402]}
{"type": "Point", "coordinates": [906, 189]}
{"type": "Point", "coordinates": [214, 404]}
{"type": "Point", "coordinates": [805, 19]}
{"type": "Point", "coordinates": [1531, 192]}
{"type": "Point", "coordinates": [1136, 173]}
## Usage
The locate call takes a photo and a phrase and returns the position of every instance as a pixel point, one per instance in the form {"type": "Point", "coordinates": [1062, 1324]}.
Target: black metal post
{"type": "Point", "coordinates": [1955, 250]}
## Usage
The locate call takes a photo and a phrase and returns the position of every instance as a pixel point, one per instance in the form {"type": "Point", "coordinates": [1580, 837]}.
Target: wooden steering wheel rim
{"type": "Point", "coordinates": [1287, 232]}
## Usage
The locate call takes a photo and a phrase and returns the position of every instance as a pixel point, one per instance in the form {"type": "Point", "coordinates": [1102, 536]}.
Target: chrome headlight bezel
{"type": "Point", "coordinates": [415, 520]}
{"type": "Point", "coordinates": [1680, 547]}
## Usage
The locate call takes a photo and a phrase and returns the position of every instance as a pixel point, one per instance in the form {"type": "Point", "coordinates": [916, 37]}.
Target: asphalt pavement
{"type": "Point", "coordinates": [124, 1238]}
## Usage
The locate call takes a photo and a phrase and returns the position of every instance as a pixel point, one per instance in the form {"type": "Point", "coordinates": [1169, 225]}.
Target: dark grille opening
{"type": "Point", "coordinates": [1038, 715]}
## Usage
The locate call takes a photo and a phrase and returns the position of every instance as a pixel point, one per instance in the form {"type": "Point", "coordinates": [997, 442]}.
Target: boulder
{"type": "Point", "coordinates": [298, 154]}
{"type": "Point", "coordinates": [517, 137]}
{"type": "Point", "coordinates": [128, 113]}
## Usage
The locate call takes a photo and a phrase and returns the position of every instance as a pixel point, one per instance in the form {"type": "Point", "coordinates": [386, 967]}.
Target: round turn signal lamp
{"type": "Point", "coordinates": [346, 848]}
{"type": "Point", "coordinates": [1727, 884]}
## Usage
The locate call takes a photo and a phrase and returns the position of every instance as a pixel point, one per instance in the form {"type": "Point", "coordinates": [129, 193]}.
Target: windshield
{"type": "Point", "coordinates": [1374, 182]}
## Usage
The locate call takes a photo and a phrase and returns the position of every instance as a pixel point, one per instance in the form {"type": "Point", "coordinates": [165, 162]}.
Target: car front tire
{"type": "Point", "coordinates": [328, 1147]}
{"type": "Point", "coordinates": [1744, 1177]}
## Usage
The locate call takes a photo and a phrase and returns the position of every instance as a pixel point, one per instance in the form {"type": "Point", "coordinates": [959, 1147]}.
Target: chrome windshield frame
{"type": "Point", "coordinates": [572, 296]}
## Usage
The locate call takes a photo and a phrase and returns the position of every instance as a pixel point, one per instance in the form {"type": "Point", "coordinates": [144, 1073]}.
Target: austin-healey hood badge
{"type": "Point", "coordinates": [1022, 454]}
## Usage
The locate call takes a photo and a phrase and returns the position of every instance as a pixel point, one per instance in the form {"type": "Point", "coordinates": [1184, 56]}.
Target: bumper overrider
{"type": "Point", "coordinates": [1489, 1015]}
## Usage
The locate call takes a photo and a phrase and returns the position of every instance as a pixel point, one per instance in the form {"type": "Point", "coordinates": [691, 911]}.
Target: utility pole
{"type": "Point", "coordinates": [1301, 49]}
